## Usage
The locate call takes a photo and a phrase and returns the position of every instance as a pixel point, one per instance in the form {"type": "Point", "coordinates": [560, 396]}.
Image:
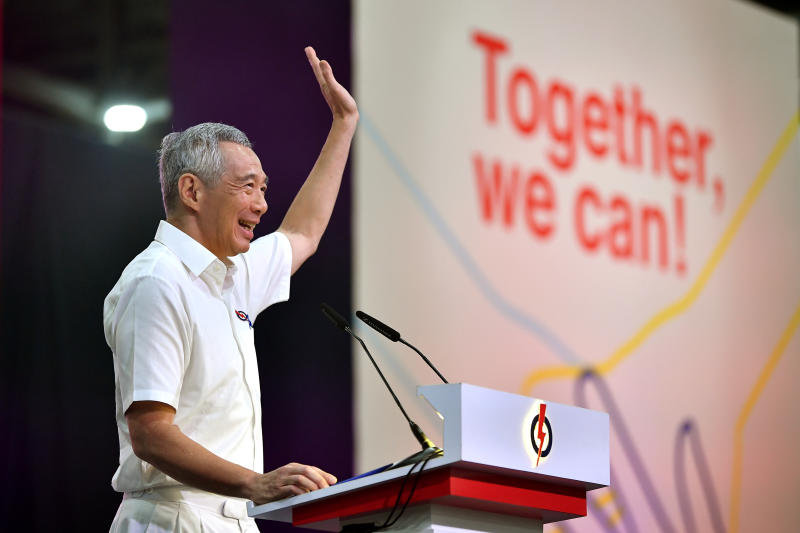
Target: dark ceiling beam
{"type": "Point", "coordinates": [69, 99]}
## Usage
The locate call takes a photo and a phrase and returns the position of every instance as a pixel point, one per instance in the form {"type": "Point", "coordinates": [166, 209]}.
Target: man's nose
{"type": "Point", "coordinates": [260, 205]}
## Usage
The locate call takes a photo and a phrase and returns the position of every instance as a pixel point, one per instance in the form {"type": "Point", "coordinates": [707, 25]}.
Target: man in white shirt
{"type": "Point", "coordinates": [179, 322]}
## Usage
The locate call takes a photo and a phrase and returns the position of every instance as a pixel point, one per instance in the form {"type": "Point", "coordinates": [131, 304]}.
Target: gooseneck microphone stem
{"type": "Point", "coordinates": [423, 358]}
{"type": "Point", "coordinates": [374, 364]}
{"type": "Point", "coordinates": [342, 324]}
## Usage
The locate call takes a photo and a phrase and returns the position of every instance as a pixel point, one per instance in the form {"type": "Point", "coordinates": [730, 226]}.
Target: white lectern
{"type": "Point", "coordinates": [511, 463]}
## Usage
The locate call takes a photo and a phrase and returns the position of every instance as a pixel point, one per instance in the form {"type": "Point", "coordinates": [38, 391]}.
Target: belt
{"type": "Point", "coordinates": [223, 505]}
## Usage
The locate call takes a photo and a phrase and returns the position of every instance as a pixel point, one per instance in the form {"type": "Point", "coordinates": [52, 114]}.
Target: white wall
{"type": "Point", "coordinates": [516, 285]}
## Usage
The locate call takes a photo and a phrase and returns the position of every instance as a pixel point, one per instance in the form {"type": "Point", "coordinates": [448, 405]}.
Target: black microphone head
{"type": "Point", "coordinates": [334, 317]}
{"type": "Point", "coordinates": [378, 326]}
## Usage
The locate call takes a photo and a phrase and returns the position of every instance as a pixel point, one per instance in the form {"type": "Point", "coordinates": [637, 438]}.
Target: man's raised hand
{"type": "Point", "coordinates": [308, 216]}
{"type": "Point", "coordinates": [341, 103]}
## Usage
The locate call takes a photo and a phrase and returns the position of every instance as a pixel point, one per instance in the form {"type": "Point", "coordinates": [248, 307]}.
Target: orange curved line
{"type": "Point", "coordinates": [747, 409]}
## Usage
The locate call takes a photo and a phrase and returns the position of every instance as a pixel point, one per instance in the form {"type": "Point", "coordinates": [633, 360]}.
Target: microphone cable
{"type": "Point", "coordinates": [366, 527]}
{"type": "Point", "coordinates": [389, 522]}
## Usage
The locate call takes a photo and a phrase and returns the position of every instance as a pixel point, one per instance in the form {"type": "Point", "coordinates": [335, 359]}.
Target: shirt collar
{"type": "Point", "coordinates": [194, 255]}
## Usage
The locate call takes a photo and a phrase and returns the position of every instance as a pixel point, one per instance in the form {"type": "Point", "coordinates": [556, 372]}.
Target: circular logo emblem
{"type": "Point", "coordinates": [541, 437]}
{"type": "Point", "coordinates": [242, 315]}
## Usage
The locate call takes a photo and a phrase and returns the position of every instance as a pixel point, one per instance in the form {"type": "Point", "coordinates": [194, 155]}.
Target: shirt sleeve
{"type": "Point", "coordinates": [151, 342]}
{"type": "Point", "coordinates": [268, 269]}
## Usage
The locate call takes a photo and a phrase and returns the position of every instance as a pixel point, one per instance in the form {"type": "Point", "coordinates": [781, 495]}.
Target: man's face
{"type": "Point", "coordinates": [229, 212]}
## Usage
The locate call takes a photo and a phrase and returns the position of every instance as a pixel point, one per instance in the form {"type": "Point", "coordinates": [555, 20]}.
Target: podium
{"type": "Point", "coordinates": [511, 463]}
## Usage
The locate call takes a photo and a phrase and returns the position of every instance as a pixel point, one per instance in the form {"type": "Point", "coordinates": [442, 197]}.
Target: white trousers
{"type": "Point", "coordinates": [181, 509]}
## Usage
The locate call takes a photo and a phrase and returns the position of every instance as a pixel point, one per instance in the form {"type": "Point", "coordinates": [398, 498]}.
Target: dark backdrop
{"type": "Point", "coordinates": [75, 211]}
{"type": "Point", "coordinates": [244, 64]}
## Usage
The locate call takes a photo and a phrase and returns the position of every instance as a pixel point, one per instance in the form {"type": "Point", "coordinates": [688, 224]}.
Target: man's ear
{"type": "Point", "coordinates": [189, 190]}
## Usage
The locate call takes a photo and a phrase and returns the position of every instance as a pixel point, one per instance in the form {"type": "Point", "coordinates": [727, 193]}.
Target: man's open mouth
{"type": "Point", "coordinates": [247, 225]}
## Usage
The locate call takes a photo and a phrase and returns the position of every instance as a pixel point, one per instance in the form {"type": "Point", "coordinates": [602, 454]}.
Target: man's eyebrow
{"type": "Point", "coordinates": [250, 176]}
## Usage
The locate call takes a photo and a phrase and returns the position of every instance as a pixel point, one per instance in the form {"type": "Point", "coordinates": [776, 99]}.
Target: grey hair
{"type": "Point", "coordinates": [194, 151]}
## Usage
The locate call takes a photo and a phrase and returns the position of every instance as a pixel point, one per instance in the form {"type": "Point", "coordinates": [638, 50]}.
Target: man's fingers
{"type": "Point", "coordinates": [316, 476]}
{"type": "Point", "coordinates": [327, 73]}
{"type": "Point", "coordinates": [339, 100]}
{"type": "Point", "coordinates": [330, 479]}
{"type": "Point", "coordinates": [307, 477]}
{"type": "Point", "coordinates": [291, 490]}
{"type": "Point", "coordinates": [290, 480]}
{"type": "Point", "coordinates": [311, 54]}
{"type": "Point", "coordinates": [322, 69]}
{"type": "Point", "coordinates": [315, 64]}
{"type": "Point", "coordinates": [301, 482]}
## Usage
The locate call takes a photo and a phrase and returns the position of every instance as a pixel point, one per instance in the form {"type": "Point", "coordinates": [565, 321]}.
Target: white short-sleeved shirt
{"type": "Point", "coordinates": [179, 323]}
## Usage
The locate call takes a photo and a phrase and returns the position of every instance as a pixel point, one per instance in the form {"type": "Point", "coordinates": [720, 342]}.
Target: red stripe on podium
{"type": "Point", "coordinates": [456, 487]}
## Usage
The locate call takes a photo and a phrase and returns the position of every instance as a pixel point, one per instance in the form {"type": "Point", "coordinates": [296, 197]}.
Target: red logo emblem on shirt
{"type": "Point", "coordinates": [241, 315]}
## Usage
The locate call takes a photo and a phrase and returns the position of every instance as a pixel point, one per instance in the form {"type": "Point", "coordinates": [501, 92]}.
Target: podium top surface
{"type": "Point", "coordinates": [498, 432]}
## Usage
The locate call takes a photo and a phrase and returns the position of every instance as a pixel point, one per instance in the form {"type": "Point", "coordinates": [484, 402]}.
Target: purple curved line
{"type": "Point", "coordinates": [627, 443]}
{"type": "Point", "coordinates": [680, 479]}
{"type": "Point", "coordinates": [627, 517]}
{"type": "Point", "coordinates": [689, 431]}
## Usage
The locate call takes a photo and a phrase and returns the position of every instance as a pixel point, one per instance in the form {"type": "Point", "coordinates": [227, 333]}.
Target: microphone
{"type": "Point", "coordinates": [378, 326]}
{"type": "Point", "coordinates": [337, 319]}
{"type": "Point", "coordinates": [342, 324]}
{"type": "Point", "coordinates": [394, 336]}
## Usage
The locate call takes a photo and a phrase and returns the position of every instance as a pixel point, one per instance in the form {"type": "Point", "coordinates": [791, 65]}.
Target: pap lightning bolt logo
{"type": "Point", "coordinates": [241, 315]}
{"type": "Point", "coordinates": [540, 433]}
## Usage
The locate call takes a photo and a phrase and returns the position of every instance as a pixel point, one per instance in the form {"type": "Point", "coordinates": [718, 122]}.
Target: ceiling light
{"type": "Point", "coordinates": [125, 118]}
